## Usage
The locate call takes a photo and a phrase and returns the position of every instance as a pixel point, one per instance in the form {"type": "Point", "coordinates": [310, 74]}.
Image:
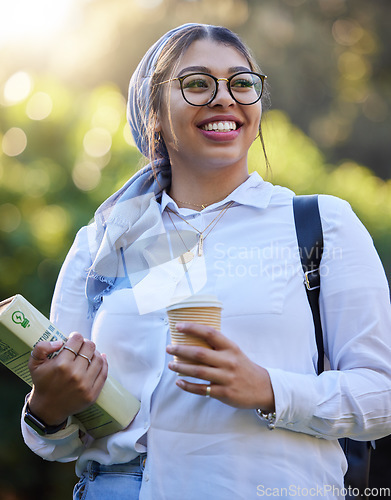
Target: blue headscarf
{"type": "Point", "coordinates": [128, 224]}
{"type": "Point", "coordinates": [138, 108]}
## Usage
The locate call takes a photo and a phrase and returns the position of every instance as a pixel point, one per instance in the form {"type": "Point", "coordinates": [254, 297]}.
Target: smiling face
{"type": "Point", "coordinates": [216, 135]}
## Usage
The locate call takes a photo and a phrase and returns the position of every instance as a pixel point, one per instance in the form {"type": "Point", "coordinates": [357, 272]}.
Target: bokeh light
{"type": "Point", "coordinates": [354, 92]}
{"type": "Point", "coordinates": [49, 225]}
{"type": "Point", "coordinates": [16, 88]}
{"type": "Point", "coordinates": [330, 130]}
{"type": "Point", "coordinates": [353, 66]}
{"type": "Point", "coordinates": [97, 142]}
{"type": "Point", "coordinates": [347, 31]}
{"type": "Point", "coordinates": [39, 106]}
{"type": "Point", "coordinates": [107, 117]}
{"type": "Point", "coordinates": [110, 107]}
{"type": "Point", "coordinates": [86, 175]}
{"type": "Point", "coordinates": [14, 141]}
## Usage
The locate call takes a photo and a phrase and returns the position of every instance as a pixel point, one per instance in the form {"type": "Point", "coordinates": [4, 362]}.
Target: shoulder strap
{"type": "Point", "coordinates": [310, 240]}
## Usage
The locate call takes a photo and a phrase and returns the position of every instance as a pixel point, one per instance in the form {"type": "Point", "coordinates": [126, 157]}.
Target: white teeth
{"type": "Point", "coordinates": [220, 126]}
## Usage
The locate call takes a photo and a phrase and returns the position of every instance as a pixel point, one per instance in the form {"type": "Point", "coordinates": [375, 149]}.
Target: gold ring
{"type": "Point", "coordinates": [208, 391]}
{"type": "Point", "coordinates": [69, 349]}
{"type": "Point", "coordinates": [85, 357]}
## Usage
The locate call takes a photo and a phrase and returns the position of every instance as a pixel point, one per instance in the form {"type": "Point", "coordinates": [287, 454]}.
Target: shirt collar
{"type": "Point", "coordinates": [254, 192]}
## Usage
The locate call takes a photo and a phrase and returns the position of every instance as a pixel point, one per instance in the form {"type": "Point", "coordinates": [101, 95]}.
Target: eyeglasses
{"type": "Point", "coordinates": [199, 89]}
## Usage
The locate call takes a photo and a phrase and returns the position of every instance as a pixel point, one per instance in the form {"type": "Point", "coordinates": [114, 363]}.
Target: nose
{"type": "Point", "coordinates": [222, 96]}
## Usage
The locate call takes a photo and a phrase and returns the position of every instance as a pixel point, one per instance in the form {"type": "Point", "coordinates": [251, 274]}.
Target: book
{"type": "Point", "coordinates": [22, 326]}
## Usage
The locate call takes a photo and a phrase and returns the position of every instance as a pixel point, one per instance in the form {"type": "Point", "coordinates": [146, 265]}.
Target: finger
{"type": "Point", "coordinates": [72, 346]}
{"type": "Point", "coordinates": [205, 390]}
{"type": "Point", "coordinates": [215, 391]}
{"type": "Point", "coordinates": [102, 374]}
{"type": "Point", "coordinates": [196, 354]}
{"type": "Point", "coordinates": [203, 372]}
{"type": "Point", "coordinates": [43, 349]}
{"type": "Point", "coordinates": [85, 361]}
{"type": "Point", "coordinates": [89, 361]}
{"type": "Point", "coordinates": [94, 369]}
{"type": "Point", "coordinates": [212, 336]}
{"type": "Point", "coordinates": [86, 353]}
{"type": "Point", "coordinates": [69, 349]}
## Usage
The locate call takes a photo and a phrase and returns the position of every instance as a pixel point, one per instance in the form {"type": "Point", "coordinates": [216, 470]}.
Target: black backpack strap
{"type": "Point", "coordinates": [310, 239]}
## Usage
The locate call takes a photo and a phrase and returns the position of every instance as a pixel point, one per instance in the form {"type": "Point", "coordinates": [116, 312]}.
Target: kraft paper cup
{"type": "Point", "coordinates": [201, 309]}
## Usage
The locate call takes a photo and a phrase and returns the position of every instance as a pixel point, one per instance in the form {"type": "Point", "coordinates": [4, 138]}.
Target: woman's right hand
{"type": "Point", "coordinates": [65, 384]}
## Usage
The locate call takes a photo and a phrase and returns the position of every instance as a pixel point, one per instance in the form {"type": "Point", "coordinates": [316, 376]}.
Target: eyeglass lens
{"type": "Point", "coordinates": [199, 89]}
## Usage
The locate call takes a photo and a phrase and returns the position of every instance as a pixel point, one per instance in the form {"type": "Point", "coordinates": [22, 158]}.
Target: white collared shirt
{"type": "Point", "coordinates": [199, 447]}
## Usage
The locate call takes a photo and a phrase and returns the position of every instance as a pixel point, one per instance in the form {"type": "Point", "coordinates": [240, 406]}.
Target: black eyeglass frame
{"type": "Point", "coordinates": [217, 80]}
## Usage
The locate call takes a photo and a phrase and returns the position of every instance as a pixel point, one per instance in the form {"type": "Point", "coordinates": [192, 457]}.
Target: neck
{"type": "Point", "coordinates": [199, 191]}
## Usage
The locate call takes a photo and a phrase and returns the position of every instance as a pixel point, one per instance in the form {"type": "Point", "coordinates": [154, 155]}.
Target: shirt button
{"type": "Point", "coordinates": [146, 476]}
{"type": "Point", "coordinates": [146, 423]}
{"type": "Point", "coordinates": [165, 321]}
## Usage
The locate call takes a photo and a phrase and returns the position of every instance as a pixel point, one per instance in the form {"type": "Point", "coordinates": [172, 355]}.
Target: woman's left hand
{"type": "Point", "coordinates": [234, 378]}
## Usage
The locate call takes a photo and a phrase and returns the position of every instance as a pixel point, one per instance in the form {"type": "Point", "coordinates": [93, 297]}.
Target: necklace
{"type": "Point", "coordinates": [204, 205]}
{"type": "Point", "coordinates": [188, 256]}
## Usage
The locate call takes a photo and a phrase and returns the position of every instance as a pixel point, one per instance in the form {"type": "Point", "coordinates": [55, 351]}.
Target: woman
{"type": "Point", "coordinates": [202, 224]}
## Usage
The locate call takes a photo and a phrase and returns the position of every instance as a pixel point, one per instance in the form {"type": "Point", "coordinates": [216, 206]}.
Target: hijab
{"type": "Point", "coordinates": [138, 107]}
{"type": "Point", "coordinates": [128, 225]}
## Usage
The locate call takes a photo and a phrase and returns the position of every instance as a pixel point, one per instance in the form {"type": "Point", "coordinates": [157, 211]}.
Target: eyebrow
{"type": "Point", "coordinates": [204, 69]}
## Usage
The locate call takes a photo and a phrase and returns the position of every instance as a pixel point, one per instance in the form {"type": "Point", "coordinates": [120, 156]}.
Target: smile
{"type": "Point", "coordinates": [220, 126]}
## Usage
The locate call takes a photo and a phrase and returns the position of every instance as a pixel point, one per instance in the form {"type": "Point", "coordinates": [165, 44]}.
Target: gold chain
{"type": "Point", "coordinates": [201, 233]}
{"type": "Point", "coordinates": [204, 205]}
{"type": "Point", "coordinates": [188, 255]}
{"type": "Point", "coordinates": [191, 204]}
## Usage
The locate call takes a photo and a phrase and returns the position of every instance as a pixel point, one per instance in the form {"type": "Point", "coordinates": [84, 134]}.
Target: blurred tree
{"type": "Point", "coordinates": [329, 67]}
{"type": "Point", "coordinates": [54, 171]}
{"type": "Point", "coordinates": [328, 61]}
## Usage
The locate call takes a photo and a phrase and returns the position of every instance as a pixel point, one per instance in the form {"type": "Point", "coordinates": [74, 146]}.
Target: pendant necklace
{"type": "Point", "coordinates": [189, 255]}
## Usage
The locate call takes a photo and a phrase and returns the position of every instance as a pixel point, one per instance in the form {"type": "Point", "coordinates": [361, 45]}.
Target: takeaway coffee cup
{"type": "Point", "coordinates": [201, 309]}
